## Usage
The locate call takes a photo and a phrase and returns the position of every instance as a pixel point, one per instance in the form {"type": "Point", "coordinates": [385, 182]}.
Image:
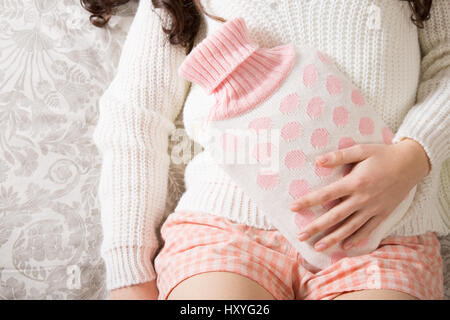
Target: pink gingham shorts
{"type": "Point", "coordinates": [195, 243]}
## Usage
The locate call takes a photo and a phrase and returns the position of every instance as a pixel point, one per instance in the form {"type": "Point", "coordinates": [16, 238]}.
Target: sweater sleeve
{"type": "Point", "coordinates": [136, 114]}
{"type": "Point", "coordinates": [428, 121]}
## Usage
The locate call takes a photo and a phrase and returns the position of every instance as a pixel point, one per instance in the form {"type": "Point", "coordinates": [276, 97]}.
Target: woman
{"type": "Point", "coordinates": [217, 244]}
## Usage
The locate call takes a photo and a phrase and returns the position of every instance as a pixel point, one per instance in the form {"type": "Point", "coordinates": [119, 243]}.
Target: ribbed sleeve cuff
{"type": "Point", "coordinates": [126, 266]}
{"type": "Point", "coordinates": [427, 123]}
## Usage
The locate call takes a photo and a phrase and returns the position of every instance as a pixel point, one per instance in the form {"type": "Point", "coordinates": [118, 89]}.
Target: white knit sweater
{"type": "Point", "coordinates": [403, 71]}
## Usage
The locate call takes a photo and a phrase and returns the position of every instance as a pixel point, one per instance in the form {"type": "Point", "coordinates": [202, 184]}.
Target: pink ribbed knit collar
{"type": "Point", "coordinates": [235, 70]}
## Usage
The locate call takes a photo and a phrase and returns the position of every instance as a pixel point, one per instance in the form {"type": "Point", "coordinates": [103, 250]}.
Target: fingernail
{"type": "Point", "coordinates": [322, 159]}
{"type": "Point", "coordinates": [362, 243]}
{"type": "Point", "coordinates": [303, 236]}
{"type": "Point", "coordinates": [347, 245]}
{"type": "Point", "coordinates": [320, 246]}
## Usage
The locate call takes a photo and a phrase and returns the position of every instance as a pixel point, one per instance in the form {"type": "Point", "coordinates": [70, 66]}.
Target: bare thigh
{"type": "Point", "coordinates": [219, 285]}
{"type": "Point", "coordinates": [375, 294]}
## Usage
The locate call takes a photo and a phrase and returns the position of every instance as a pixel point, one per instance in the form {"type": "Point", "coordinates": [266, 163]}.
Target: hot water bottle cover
{"type": "Point", "coordinates": [277, 109]}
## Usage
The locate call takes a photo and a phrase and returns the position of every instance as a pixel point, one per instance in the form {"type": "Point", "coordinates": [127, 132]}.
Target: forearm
{"type": "Point", "coordinates": [132, 190]}
{"type": "Point", "coordinates": [428, 121]}
{"type": "Point", "coordinates": [135, 120]}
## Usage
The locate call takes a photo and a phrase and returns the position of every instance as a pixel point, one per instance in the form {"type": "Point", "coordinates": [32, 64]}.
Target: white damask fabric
{"type": "Point", "coordinates": [54, 66]}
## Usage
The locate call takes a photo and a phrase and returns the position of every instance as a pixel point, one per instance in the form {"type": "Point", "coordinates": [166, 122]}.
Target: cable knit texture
{"type": "Point", "coordinates": [404, 73]}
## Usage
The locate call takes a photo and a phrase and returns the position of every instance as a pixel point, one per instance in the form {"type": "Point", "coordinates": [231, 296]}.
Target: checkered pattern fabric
{"type": "Point", "coordinates": [197, 242]}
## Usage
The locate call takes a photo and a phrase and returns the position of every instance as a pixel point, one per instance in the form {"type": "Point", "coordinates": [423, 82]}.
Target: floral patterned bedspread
{"type": "Point", "coordinates": [53, 68]}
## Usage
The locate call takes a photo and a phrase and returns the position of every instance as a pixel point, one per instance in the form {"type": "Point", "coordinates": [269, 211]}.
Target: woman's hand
{"type": "Point", "coordinates": [380, 179]}
{"type": "Point", "coordinates": [142, 291]}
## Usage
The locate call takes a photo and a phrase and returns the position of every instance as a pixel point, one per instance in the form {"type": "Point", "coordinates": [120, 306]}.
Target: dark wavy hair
{"type": "Point", "coordinates": [186, 16]}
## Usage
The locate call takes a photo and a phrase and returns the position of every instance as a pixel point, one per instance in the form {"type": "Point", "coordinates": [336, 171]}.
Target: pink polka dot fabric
{"type": "Point", "coordinates": [313, 110]}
